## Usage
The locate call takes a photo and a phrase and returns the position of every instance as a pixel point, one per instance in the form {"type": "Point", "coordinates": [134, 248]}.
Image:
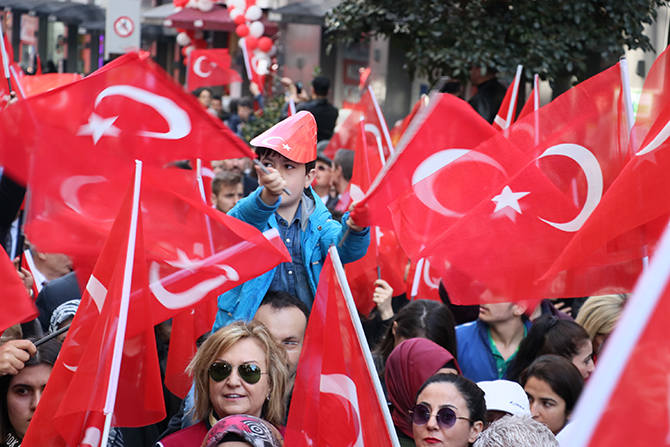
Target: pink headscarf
{"type": "Point", "coordinates": [410, 364]}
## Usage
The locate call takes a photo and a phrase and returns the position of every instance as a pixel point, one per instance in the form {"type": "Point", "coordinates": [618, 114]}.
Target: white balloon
{"type": "Point", "coordinates": [189, 49]}
{"type": "Point", "coordinates": [272, 51]}
{"type": "Point", "coordinates": [205, 5]}
{"type": "Point", "coordinates": [234, 13]}
{"type": "Point", "coordinates": [192, 4]}
{"type": "Point", "coordinates": [256, 29]}
{"type": "Point", "coordinates": [237, 4]}
{"type": "Point", "coordinates": [265, 4]}
{"type": "Point", "coordinates": [183, 39]}
{"type": "Point", "coordinates": [253, 13]}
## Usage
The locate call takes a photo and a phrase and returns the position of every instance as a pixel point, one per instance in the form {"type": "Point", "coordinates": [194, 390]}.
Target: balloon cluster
{"type": "Point", "coordinates": [246, 15]}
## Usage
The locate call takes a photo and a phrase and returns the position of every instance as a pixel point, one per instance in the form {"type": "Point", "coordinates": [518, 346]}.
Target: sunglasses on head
{"type": "Point", "coordinates": [250, 373]}
{"type": "Point", "coordinates": [446, 417]}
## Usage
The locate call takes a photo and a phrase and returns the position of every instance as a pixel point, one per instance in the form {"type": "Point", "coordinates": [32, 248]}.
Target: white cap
{"type": "Point", "coordinates": [503, 395]}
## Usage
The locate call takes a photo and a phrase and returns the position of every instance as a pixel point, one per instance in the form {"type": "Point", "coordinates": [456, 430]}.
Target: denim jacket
{"type": "Point", "coordinates": [318, 232]}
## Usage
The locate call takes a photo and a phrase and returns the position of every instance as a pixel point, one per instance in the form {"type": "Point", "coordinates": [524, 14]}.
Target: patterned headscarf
{"type": "Point", "coordinates": [255, 431]}
{"type": "Point", "coordinates": [62, 313]}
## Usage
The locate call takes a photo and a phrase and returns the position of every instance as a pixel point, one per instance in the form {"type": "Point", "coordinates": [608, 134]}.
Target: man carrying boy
{"type": "Point", "coordinates": [288, 151]}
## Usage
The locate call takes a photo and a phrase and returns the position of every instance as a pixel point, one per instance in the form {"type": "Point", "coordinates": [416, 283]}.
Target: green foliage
{"type": "Point", "coordinates": [271, 115]}
{"type": "Point", "coordinates": [555, 39]}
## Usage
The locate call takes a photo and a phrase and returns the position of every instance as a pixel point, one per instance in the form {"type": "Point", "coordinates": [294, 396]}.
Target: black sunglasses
{"type": "Point", "coordinates": [446, 417]}
{"type": "Point", "coordinates": [250, 373]}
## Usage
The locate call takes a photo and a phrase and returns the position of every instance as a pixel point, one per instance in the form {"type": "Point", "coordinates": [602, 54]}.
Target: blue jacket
{"type": "Point", "coordinates": [474, 352]}
{"type": "Point", "coordinates": [318, 232]}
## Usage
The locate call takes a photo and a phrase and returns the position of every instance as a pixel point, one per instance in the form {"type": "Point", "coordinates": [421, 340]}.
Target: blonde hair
{"type": "Point", "coordinates": [600, 314]}
{"type": "Point", "coordinates": [222, 340]}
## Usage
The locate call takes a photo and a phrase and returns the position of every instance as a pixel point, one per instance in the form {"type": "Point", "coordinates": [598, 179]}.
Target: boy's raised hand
{"type": "Point", "coordinates": [274, 184]}
{"type": "Point", "coordinates": [351, 222]}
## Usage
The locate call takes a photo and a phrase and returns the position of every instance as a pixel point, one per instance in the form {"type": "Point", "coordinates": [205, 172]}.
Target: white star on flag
{"type": "Point", "coordinates": [286, 146]}
{"type": "Point", "coordinates": [507, 198]}
{"type": "Point", "coordinates": [98, 126]}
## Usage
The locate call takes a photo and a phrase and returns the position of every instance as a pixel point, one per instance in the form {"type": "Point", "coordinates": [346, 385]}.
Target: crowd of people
{"type": "Point", "coordinates": [498, 374]}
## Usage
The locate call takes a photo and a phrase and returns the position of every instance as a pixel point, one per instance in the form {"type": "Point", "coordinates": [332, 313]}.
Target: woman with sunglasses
{"type": "Point", "coordinates": [553, 385]}
{"type": "Point", "coordinates": [450, 411]}
{"type": "Point", "coordinates": [407, 368]}
{"type": "Point", "coordinates": [240, 369]}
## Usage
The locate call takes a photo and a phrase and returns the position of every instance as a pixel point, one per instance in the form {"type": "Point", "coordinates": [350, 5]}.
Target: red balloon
{"type": "Point", "coordinates": [187, 49]}
{"type": "Point", "coordinates": [264, 44]}
{"type": "Point", "coordinates": [179, 3]}
{"type": "Point", "coordinates": [239, 19]}
{"type": "Point", "coordinates": [251, 2]}
{"type": "Point", "coordinates": [242, 30]}
{"type": "Point", "coordinates": [252, 43]}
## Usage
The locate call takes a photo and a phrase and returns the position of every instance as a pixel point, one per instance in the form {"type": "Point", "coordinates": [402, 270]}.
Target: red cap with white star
{"type": "Point", "coordinates": [294, 138]}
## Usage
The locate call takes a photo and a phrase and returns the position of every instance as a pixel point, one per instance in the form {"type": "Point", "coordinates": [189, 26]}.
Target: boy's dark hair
{"type": "Point", "coordinates": [217, 97]}
{"type": "Point", "coordinates": [246, 101]}
{"type": "Point", "coordinates": [265, 151]}
{"type": "Point", "coordinates": [227, 178]}
{"type": "Point", "coordinates": [197, 91]}
{"type": "Point", "coordinates": [321, 85]}
{"type": "Point", "coordinates": [283, 300]}
{"type": "Point", "coordinates": [345, 159]}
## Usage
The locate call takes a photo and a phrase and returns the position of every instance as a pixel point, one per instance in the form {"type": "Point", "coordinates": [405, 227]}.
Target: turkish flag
{"type": "Point", "coordinates": [193, 251]}
{"type": "Point", "coordinates": [334, 401]}
{"type": "Point", "coordinates": [33, 85]}
{"type": "Point", "coordinates": [398, 131]}
{"type": "Point", "coordinates": [210, 68]}
{"type": "Point", "coordinates": [83, 386]}
{"type": "Point", "coordinates": [17, 306]}
{"type": "Point", "coordinates": [423, 281]}
{"type": "Point", "coordinates": [501, 248]}
{"type": "Point", "coordinates": [256, 67]}
{"type": "Point", "coordinates": [634, 211]}
{"type": "Point", "coordinates": [376, 130]}
{"type": "Point", "coordinates": [627, 399]}
{"type": "Point", "coordinates": [533, 102]}
{"type": "Point", "coordinates": [446, 127]}
{"type": "Point", "coordinates": [130, 108]}
{"type": "Point", "coordinates": [507, 112]}
{"type": "Point", "coordinates": [362, 274]}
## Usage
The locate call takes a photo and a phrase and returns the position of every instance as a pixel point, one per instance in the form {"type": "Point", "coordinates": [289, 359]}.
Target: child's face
{"type": "Point", "coordinates": [293, 173]}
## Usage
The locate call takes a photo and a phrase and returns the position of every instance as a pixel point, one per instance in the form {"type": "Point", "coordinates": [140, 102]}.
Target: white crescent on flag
{"type": "Point", "coordinates": [594, 179]}
{"type": "Point", "coordinates": [343, 386]}
{"type": "Point", "coordinates": [197, 68]}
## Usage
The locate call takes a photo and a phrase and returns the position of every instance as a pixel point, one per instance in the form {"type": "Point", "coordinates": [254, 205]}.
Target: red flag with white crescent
{"type": "Point", "coordinates": [507, 112]}
{"type": "Point", "coordinates": [210, 67]}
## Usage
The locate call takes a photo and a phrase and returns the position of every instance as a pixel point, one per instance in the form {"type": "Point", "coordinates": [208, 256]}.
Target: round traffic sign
{"type": "Point", "coordinates": [124, 26]}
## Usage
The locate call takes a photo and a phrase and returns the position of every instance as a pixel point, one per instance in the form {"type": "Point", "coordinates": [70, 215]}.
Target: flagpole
{"type": "Point", "coordinates": [5, 58]}
{"type": "Point", "coordinates": [19, 87]}
{"type": "Point", "coordinates": [110, 400]}
{"type": "Point", "coordinates": [515, 94]}
{"type": "Point", "coordinates": [351, 306]}
{"type": "Point", "coordinates": [620, 345]}
{"type": "Point", "coordinates": [536, 107]}
{"type": "Point", "coordinates": [382, 121]}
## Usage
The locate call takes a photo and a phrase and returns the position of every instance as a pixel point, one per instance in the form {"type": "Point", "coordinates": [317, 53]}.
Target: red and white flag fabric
{"type": "Point", "coordinates": [446, 127]}
{"type": "Point", "coordinates": [17, 306]}
{"type": "Point", "coordinates": [423, 281]}
{"type": "Point", "coordinates": [504, 245]}
{"type": "Point", "coordinates": [256, 66]}
{"type": "Point", "coordinates": [627, 399]}
{"type": "Point", "coordinates": [635, 209]}
{"type": "Point", "coordinates": [334, 401]}
{"type": "Point", "coordinates": [533, 102]}
{"type": "Point", "coordinates": [291, 107]}
{"type": "Point", "coordinates": [210, 67]}
{"type": "Point", "coordinates": [84, 382]}
{"type": "Point", "coordinates": [384, 257]}
{"type": "Point", "coordinates": [130, 108]}
{"type": "Point", "coordinates": [193, 251]}
{"type": "Point", "coordinates": [507, 112]}
{"type": "Point", "coordinates": [376, 130]}
{"type": "Point", "coordinates": [34, 85]}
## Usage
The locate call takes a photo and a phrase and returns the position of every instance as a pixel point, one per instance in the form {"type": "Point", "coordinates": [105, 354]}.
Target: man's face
{"type": "Point", "coordinates": [497, 312]}
{"type": "Point", "coordinates": [244, 112]}
{"type": "Point", "coordinates": [235, 164]}
{"type": "Point", "coordinates": [335, 176]}
{"type": "Point", "coordinates": [287, 327]}
{"type": "Point", "coordinates": [323, 173]}
{"type": "Point", "coordinates": [228, 196]}
{"type": "Point", "coordinates": [216, 105]}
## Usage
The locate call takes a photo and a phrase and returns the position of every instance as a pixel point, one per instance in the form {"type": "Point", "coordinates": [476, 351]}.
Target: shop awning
{"type": "Point", "coordinates": [68, 12]}
{"type": "Point", "coordinates": [217, 19]}
{"type": "Point", "coordinates": [157, 15]}
{"type": "Point", "coordinates": [309, 12]}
